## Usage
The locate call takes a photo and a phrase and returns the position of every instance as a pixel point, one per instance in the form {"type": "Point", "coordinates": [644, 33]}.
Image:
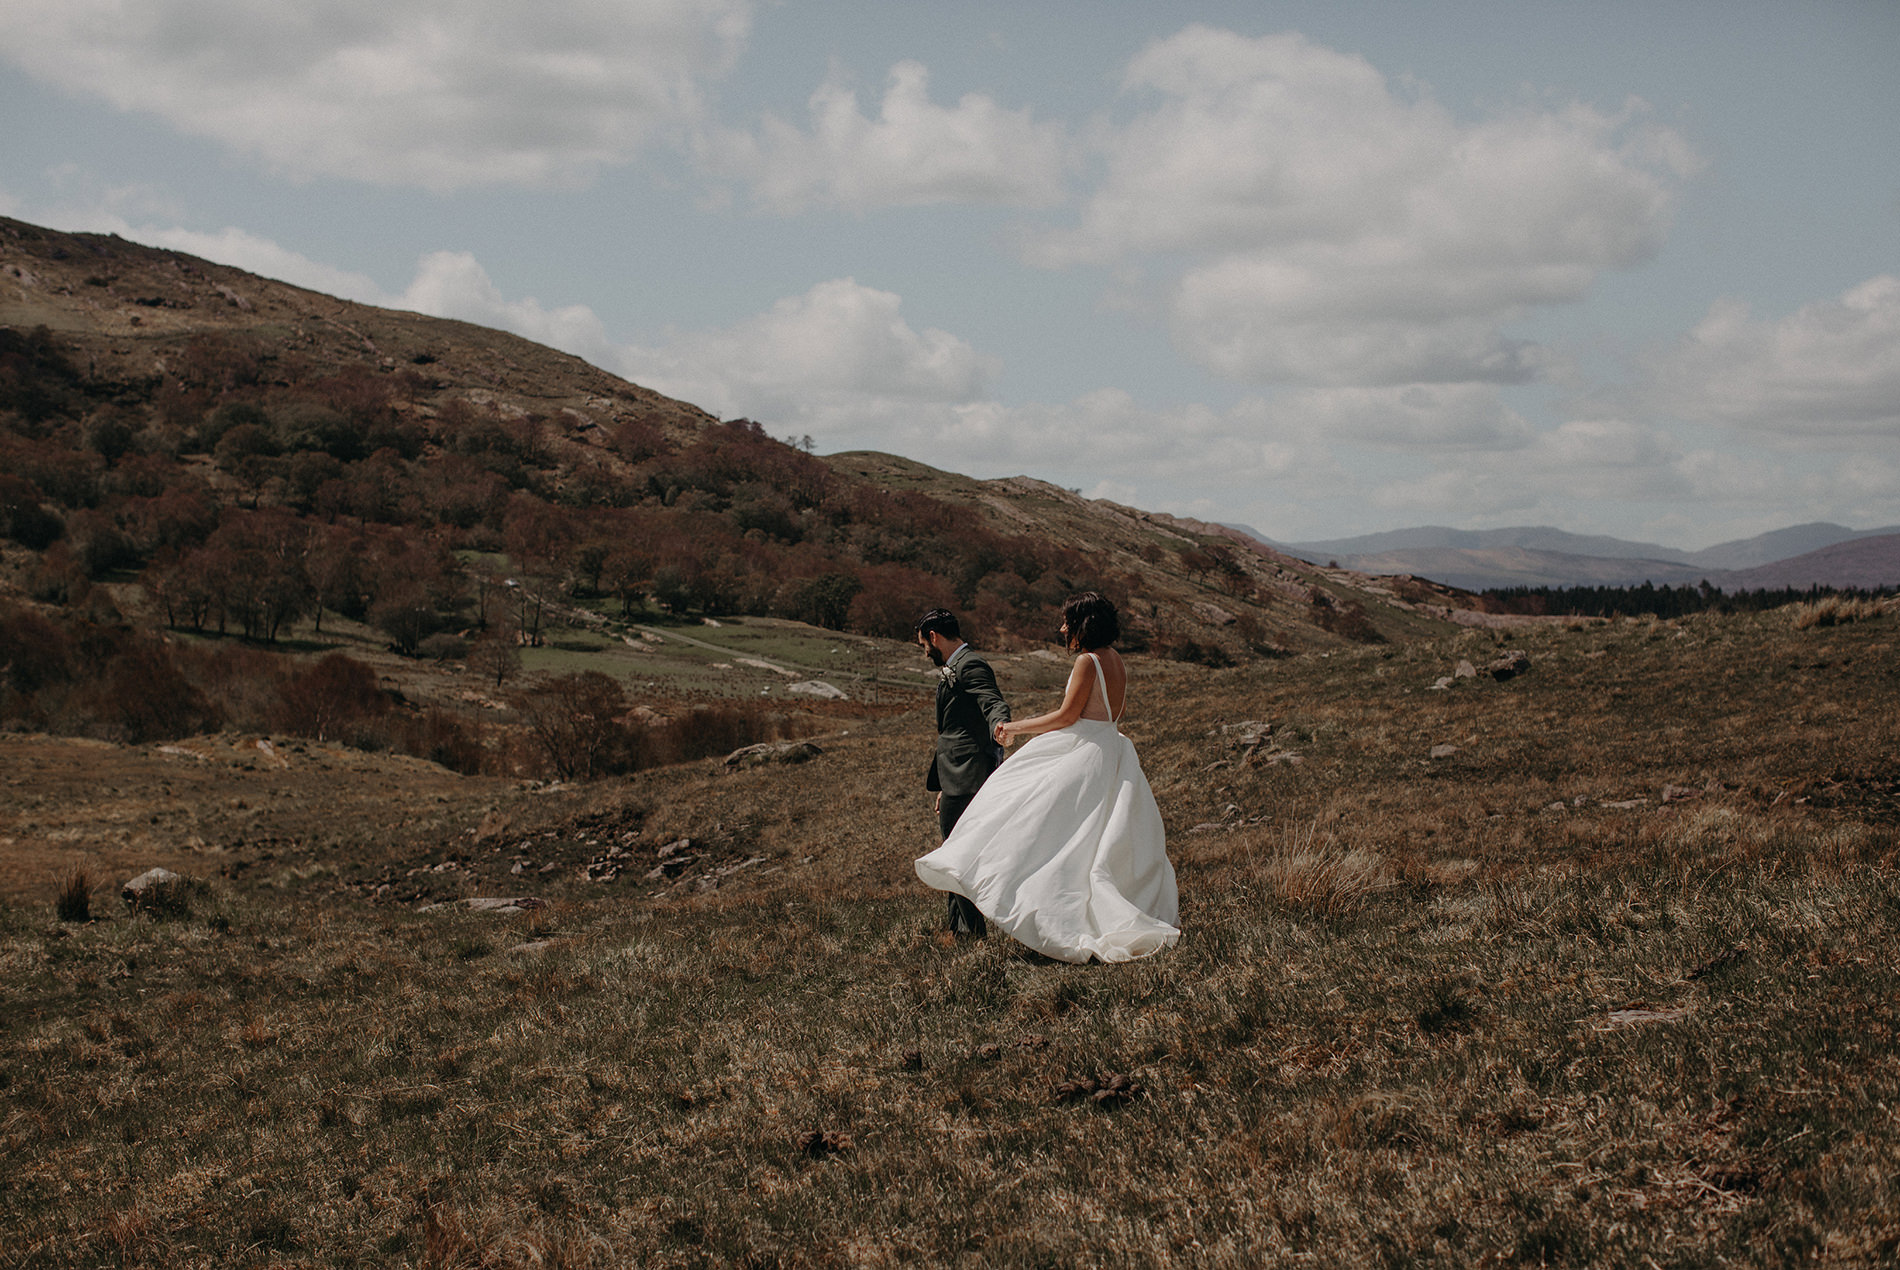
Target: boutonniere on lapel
{"type": "Point", "coordinates": [949, 675]}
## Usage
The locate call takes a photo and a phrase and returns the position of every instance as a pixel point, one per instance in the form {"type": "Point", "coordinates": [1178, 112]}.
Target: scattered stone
{"type": "Point", "coordinates": [1110, 1089]}
{"type": "Point", "coordinates": [1207, 826]}
{"type": "Point", "coordinates": [817, 688]}
{"type": "Point", "coordinates": [1212, 614]}
{"type": "Point", "coordinates": [1465, 670]}
{"type": "Point", "coordinates": [1627, 804]}
{"type": "Point", "coordinates": [1441, 684]}
{"type": "Point", "coordinates": [1679, 793]}
{"type": "Point", "coordinates": [1246, 734]}
{"type": "Point", "coordinates": [1647, 1014]}
{"type": "Point", "coordinates": [498, 904]}
{"type": "Point", "coordinates": [674, 847]}
{"type": "Point", "coordinates": [767, 752]}
{"type": "Point", "coordinates": [533, 948]}
{"type": "Point", "coordinates": [1559, 806]}
{"type": "Point", "coordinates": [157, 891]}
{"type": "Point", "coordinates": [1507, 665]}
{"type": "Point", "coordinates": [1444, 751]}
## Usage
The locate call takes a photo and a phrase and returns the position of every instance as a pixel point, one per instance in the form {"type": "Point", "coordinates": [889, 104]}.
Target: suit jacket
{"type": "Point", "coordinates": [968, 709]}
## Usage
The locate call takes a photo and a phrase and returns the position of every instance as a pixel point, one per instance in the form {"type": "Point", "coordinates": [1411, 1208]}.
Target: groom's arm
{"type": "Point", "coordinates": [980, 682]}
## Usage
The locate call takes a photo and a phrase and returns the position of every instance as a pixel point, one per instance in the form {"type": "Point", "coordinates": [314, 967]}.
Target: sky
{"type": "Point", "coordinates": [1321, 269]}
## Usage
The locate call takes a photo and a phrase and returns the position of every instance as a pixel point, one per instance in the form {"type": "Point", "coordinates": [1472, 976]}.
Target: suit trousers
{"type": "Point", "coordinates": [965, 918]}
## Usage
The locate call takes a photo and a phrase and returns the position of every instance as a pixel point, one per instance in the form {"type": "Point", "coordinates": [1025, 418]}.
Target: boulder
{"type": "Point", "coordinates": [157, 891]}
{"type": "Point", "coordinates": [767, 752]}
{"type": "Point", "coordinates": [1465, 670]}
{"type": "Point", "coordinates": [817, 688]}
{"type": "Point", "coordinates": [1508, 664]}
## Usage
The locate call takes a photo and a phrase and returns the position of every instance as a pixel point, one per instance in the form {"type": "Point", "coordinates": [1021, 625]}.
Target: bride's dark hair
{"type": "Point", "coordinates": [1091, 621]}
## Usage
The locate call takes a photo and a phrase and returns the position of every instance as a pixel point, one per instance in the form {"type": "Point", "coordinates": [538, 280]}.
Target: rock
{"type": "Point", "coordinates": [772, 752]}
{"type": "Point", "coordinates": [497, 904]}
{"type": "Point", "coordinates": [1508, 665]}
{"type": "Point", "coordinates": [817, 688]}
{"type": "Point", "coordinates": [157, 891]}
{"type": "Point", "coordinates": [1444, 751]}
{"type": "Point", "coordinates": [1246, 734]}
{"type": "Point", "coordinates": [1465, 670]}
{"type": "Point", "coordinates": [1212, 614]}
{"type": "Point", "coordinates": [1647, 1014]}
{"type": "Point", "coordinates": [1679, 793]}
{"type": "Point", "coordinates": [533, 948]}
{"type": "Point", "coordinates": [674, 847]}
{"type": "Point", "coordinates": [1441, 683]}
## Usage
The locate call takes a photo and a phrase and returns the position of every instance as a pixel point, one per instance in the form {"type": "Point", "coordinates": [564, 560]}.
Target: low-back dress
{"type": "Point", "coordinates": [1063, 847]}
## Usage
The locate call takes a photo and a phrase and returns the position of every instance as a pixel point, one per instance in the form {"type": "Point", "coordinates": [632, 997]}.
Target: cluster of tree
{"type": "Point", "coordinates": [248, 492]}
{"type": "Point", "coordinates": [1657, 601]}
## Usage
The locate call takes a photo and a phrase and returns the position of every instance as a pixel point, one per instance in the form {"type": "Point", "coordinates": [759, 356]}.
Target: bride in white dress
{"type": "Point", "coordinates": [1063, 846]}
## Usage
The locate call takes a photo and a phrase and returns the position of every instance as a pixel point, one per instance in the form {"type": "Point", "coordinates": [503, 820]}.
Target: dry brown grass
{"type": "Point", "coordinates": [1837, 610]}
{"type": "Point", "coordinates": [1610, 984]}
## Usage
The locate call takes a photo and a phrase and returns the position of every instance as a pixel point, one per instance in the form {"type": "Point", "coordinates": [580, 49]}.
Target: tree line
{"type": "Point", "coordinates": [1657, 601]}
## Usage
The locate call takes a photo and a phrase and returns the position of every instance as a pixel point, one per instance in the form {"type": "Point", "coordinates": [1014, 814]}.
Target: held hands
{"type": "Point", "coordinates": [1003, 735]}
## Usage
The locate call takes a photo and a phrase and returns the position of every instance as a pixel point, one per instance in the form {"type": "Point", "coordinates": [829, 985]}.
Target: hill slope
{"type": "Point", "coordinates": [191, 450]}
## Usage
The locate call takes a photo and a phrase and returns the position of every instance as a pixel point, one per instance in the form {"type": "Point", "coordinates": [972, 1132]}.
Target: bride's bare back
{"type": "Point", "coordinates": [1114, 685]}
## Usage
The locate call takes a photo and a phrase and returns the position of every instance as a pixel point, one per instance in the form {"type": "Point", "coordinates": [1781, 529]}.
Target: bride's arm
{"type": "Point", "coordinates": [1074, 700]}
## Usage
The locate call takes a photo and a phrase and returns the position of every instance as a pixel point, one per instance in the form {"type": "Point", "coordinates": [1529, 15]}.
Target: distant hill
{"type": "Point", "coordinates": [1537, 538]}
{"type": "Point", "coordinates": [1783, 544]}
{"type": "Point", "coordinates": [1862, 562]}
{"type": "Point", "coordinates": [162, 416]}
{"type": "Point", "coordinates": [1479, 560]}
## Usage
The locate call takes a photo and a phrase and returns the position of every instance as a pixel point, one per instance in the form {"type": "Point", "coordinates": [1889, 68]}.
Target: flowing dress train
{"type": "Point", "coordinates": [1063, 847]}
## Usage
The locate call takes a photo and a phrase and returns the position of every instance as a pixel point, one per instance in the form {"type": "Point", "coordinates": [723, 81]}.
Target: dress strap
{"type": "Point", "coordinates": [1101, 683]}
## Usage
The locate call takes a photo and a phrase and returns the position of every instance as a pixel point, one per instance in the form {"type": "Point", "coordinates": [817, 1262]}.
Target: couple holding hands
{"type": "Point", "coordinates": [1062, 846]}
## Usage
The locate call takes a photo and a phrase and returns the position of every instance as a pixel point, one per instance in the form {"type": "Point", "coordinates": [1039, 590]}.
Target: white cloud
{"type": "Point", "coordinates": [915, 152]}
{"type": "Point", "coordinates": [402, 92]}
{"type": "Point", "coordinates": [1337, 231]}
{"type": "Point", "coordinates": [1831, 368]}
{"type": "Point", "coordinates": [1411, 417]}
{"type": "Point", "coordinates": [453, 284]}
{"type": "Point", "coordinates": [820, 363]}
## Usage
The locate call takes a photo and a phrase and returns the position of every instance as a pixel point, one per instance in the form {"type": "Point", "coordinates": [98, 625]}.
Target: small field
{"type": "Point", "coordinates": [1594, 965]}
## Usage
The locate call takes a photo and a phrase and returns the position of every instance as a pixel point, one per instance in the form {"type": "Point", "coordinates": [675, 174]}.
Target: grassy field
{"type": "Point", "coordinates": [1592, 966]}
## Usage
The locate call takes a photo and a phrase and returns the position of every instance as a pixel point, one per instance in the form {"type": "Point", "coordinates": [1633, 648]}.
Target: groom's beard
{"type": "Point", "coordinates": [936, 658]}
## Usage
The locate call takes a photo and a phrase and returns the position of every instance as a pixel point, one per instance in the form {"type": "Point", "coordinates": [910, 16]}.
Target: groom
{"type": "Point", "coordinates": [968, 709]}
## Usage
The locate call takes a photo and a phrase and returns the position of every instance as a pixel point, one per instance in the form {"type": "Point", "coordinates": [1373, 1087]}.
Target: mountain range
{"type": "Point", "coordinates": [1800, 556]}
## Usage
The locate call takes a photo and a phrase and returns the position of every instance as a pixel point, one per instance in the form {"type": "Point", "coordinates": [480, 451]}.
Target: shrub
{"type": "Point", "coordinates": [324, 701]}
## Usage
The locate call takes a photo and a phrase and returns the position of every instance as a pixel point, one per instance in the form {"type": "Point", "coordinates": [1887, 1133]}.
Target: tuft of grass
{"type": "Point", "coordinates": [1324, 877]}
{"type": "Point", "coordinates": [74, 900]}
{"type": "Point", "coordinates": [1838, 610]}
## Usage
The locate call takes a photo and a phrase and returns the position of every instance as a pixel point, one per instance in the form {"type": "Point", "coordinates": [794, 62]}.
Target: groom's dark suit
{"type": "Point", "coordinates": [968, 709]}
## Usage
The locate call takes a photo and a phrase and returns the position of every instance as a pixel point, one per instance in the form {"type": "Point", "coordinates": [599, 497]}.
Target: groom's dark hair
{"type": "Point", "coordinates": [942, 621]}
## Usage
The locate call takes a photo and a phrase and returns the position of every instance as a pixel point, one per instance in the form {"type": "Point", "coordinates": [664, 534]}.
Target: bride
{"type": "Point", "coordinates": [1063, 846]}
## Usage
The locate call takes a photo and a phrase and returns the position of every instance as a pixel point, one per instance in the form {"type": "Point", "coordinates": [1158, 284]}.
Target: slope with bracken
{"type": "Point", "coordinates": [187, 446]}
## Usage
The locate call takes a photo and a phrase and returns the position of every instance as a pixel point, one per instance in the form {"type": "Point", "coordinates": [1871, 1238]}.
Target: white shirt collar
{"type": "Point", "coordinates": [951, 660]}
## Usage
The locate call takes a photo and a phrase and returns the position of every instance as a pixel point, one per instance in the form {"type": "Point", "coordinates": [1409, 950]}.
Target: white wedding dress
{"type": "Point", "coordinates": [1063, 847]}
